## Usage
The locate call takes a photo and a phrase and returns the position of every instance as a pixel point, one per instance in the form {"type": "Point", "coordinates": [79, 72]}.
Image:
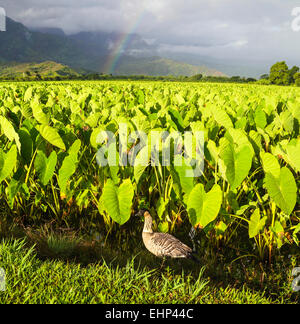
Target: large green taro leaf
{"type": "Point", "coordinates": [280, 183]}
{"type": "Point", "coordinates": [118, 200]}
{"type": "Point", "coordinates": [203, 208]}
{"type": "Point", "coordinates": [235, 163]}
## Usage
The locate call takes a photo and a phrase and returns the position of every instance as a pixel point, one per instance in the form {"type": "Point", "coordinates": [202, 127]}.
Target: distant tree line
{"type": "Point", "coordinates": [27, 76]}
{"type": "Point", "coordinates": [280, 74]}
{"type": "Point", "coordinates": [172, 78]}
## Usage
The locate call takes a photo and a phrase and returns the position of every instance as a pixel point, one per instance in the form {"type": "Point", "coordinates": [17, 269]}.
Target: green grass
{"type": "Point", "coordinates": [60, 244]}
{"type": "Point", "coordinates": [30, 279]}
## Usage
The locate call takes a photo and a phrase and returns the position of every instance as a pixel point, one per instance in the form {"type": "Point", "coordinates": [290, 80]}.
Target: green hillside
{"type": "Point", "coordinates": [87, 51]}
{"type": "Point", "coordinates": [45, 69]}
{"type": "Point", "coordinates": [156, 66]}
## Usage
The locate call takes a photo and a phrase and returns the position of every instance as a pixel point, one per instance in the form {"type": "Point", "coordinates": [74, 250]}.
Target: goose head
{"type": "Point", "coordinates": [147, 220]}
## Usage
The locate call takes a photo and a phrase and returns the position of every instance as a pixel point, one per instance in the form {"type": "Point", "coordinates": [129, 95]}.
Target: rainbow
{"type": "Point", "coordinates": [121, 45]}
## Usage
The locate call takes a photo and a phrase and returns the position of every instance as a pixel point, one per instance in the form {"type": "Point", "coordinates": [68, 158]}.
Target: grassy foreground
{"type": "Point", "coordinates": [30, 279]}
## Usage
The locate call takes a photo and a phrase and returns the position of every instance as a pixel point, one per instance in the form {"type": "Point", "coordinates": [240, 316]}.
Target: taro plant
{"type": "Point", "coordinates": [49, 148]}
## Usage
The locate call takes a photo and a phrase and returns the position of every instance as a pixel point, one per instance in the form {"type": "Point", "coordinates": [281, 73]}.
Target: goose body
{"type": "Point", "coordinates": [164, 245]}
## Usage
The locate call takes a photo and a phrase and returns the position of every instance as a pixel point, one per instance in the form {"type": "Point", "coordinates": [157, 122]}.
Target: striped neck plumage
{"type": "Point", "coordinates": [148, 223]}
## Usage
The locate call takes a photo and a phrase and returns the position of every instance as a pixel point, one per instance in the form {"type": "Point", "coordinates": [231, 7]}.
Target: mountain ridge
{"type": "Point", "coordinates": [89, 51]}
{"type": "Point", "coordinates": [159, 66]}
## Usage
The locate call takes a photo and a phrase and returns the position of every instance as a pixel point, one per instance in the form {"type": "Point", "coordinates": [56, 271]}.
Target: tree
{"type": "Point", "coordinates": [280, 74]}
{"type": "Point", "coordinates": [251, 80]}
{"type": "Point", "coordinates": [292, 72]}
{"type": "Point", "coordinates": [236, 78]}
{"type": "Point", "coordinates": [197, 77]}
{"type": "Point", "coordinates": [264, 77]}
{"type": "Point", "coordinates": [297, 79]}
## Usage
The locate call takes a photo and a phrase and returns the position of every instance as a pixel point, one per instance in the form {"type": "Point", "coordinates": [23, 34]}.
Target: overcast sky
{"type": "Point", "coordinates": [242, 29]}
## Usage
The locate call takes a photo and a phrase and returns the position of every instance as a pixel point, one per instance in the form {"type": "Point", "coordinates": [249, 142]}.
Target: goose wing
{"type": "Point", "coordinates": [166, 245]}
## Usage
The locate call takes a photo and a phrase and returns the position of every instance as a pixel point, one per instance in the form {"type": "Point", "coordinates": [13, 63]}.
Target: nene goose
{"type": "Point", "coordinates": [164, 245]}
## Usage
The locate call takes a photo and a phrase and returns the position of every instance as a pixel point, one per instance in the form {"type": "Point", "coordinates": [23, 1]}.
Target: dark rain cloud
{"type": "Point", "coordinates": [247, 29]}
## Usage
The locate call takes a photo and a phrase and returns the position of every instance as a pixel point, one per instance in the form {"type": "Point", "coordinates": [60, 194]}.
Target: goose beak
{"type": "Point", "coordinates": [139, 214]}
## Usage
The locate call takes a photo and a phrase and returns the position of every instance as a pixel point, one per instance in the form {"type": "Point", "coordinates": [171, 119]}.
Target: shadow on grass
{"type": "Point", "coordinates": [223, 275]}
